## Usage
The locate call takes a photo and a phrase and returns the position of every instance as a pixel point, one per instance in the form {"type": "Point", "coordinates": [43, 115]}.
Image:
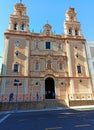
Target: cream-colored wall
{"type": "Point", "coordinates": [22, 59]}
{"type": "Point", "coordinates": [66, 54]}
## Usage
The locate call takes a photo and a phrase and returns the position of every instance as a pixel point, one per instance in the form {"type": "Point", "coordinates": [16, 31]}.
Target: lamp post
{"type": "Point", "coordinates": [17, 84]}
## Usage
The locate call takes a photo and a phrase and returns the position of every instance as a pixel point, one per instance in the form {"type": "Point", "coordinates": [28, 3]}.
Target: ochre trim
{"type": "Point", "coordinates": [8, 76]}
{"type": "Point", "coordinates": [35, 35]}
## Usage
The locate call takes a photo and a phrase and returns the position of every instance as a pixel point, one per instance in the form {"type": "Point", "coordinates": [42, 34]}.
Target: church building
{"type": "Point", "coordinates": [45, 65]}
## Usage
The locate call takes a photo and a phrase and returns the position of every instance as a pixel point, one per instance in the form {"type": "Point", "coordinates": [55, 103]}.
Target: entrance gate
{"type": "Point", "coordinates": [49, 88]}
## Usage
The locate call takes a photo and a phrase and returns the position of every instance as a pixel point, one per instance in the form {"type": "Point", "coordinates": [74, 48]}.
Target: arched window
{"type": "Point", "coordinates": [79, 69]}
{"type": "Point", "coordinates": [16, 67]}
{"type": "Point", "coordinates": [15, 26]}
{"type": "Point", "coordinates": [70, 32]}
{"type": "Point", "coordinates": [76, 32]}
{"type": "Point", "coordinates": [22, 27]}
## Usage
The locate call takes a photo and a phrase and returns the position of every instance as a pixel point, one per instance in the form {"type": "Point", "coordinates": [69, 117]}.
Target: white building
{"type": "Point", "coordinates": [90, 55]}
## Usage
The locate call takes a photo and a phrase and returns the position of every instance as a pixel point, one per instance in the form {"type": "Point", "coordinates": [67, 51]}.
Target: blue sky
{"type": "Point", "coordinates": [53, 11]}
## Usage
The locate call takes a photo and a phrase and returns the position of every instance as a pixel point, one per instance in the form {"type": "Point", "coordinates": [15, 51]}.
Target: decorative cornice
{"type": "Point", "coordinates": [69, 77]}
{"type": "Point", "coordinates": [55, 37]}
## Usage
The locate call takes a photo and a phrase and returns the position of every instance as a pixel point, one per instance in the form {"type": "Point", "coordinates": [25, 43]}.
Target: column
{"type": "Point", "coordinates": [27, 57]}
{"type": "Point", "coordinates": [70, 67]}
{"type": "Point", "coordinates": [25, 86]}
{"type": "Point", "coordinates": [85, 60]}
{"type": "Point", "coordinates": [26, 67]}
{"type": "Point", "coordinates": [57, 88]}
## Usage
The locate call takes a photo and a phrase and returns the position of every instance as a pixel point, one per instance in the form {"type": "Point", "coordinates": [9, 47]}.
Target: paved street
{"type": "Point", "coordinates": [48, 120]}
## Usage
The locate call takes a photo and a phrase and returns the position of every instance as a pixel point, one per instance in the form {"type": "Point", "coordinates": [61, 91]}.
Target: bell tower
{"type": "Point", "coordinates": [18, 20]}
{"type": "Point", "coordinates": [16, 49]}
{"type": "Point", "coordinates": [71, 25]}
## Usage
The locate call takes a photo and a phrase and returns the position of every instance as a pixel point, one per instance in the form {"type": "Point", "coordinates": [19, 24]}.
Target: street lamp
{"type": "Point", "coordinates": [17, 84]}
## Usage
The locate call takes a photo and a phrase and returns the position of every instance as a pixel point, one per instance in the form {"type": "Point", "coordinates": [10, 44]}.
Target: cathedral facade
{"type": "Point", "coordinates": [45, 65]}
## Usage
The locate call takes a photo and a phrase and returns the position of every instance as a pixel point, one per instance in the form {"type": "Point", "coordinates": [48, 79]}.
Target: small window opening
{"type": "Point", "coordinates": [48, 45]}
{"type": "Point", "coordinates": [79, 69]}
{"type": "Point", "coordinates": [15, 26]}
{"type": "Point", "coordinates": [70, 32]}
{"type": "Point", "coordinates": [17, 53]}
{"type": "Point", "coordinates": [22, 27]}
{"type": "Point", "coordinates": [16, 66]}
{"type": "Point", "coordinates": [77, 55]}
{"type": "Point", "coordinates": [76, 32]}
{"type": "Point", "coordinates": [80, 80]}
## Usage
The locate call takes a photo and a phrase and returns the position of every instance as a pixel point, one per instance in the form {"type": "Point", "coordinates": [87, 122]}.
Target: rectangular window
{"type": "Point", "coordinates": [48, 45]}
{"type": "Point", "coordinates": [79, 69]}
{"type": "Point", "coordinates": [16, 67]}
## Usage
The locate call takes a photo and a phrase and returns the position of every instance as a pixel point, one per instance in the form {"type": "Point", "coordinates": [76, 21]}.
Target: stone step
{"type": "Point", "coordinates": [51, 103]}
{"type": "Point", "coordinates": [55, 103]}
{"type": "Point", "coordinates": [81, 102]}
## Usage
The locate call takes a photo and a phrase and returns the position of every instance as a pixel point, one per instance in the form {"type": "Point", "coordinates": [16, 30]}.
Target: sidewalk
{"type": "Point", "coordinates": [88, 107]}
{"type": "Point", "coordinates": [82, 108]}
{"type": "Point", "coordinates": [35, 110]}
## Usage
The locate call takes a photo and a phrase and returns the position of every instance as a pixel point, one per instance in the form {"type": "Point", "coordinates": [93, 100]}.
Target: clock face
{"type": "Point", "coordinates": [17, 43]}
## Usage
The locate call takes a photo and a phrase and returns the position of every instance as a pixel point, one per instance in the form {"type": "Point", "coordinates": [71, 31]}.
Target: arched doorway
{"type": "Point", "coordinates": [49, 88]}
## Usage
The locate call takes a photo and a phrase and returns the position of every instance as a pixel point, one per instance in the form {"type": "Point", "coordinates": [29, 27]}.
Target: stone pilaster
{"type": "Point", "coordinates": [6, 46]}
{"type": "Point", "coordinates": [26, 67]}
{"type": "Point", "coordinates": [70, 67]}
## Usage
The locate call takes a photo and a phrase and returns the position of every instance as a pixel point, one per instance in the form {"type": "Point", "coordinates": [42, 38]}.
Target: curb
{"type": "Point", "coordinates": [90, 107]}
